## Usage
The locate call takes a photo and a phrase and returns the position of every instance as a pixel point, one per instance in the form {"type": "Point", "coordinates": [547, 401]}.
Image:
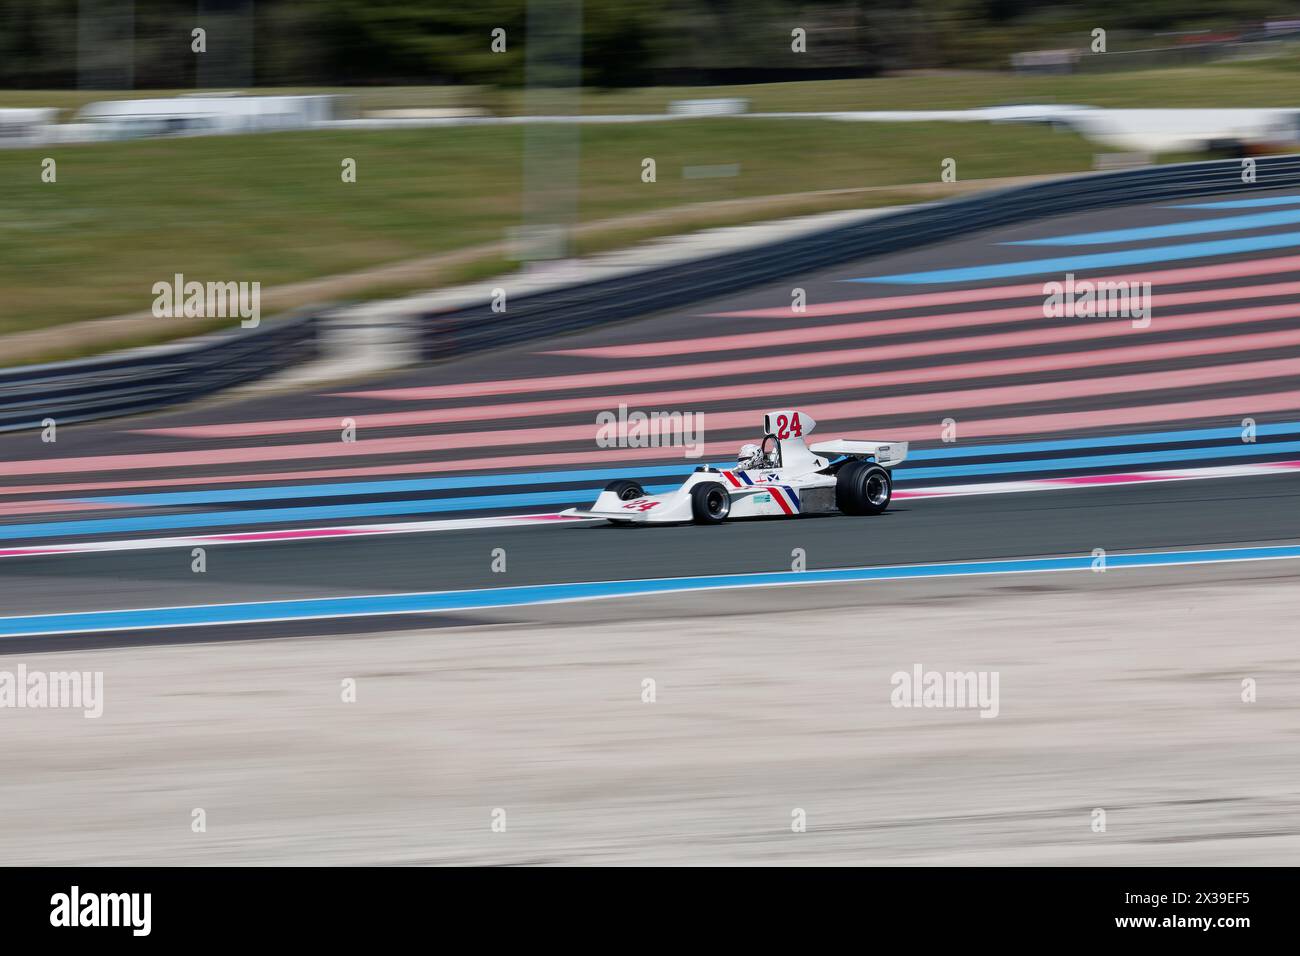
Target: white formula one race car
{"type": "Point", "coordinates": [782, 477]}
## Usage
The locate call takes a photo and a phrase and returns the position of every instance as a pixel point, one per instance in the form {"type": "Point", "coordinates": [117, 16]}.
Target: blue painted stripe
{"type": "Point", "coordinates": [515, 479]}
{"type": "Point", "coordinates": [1099, 260]}
{"type": "Point", "coordinates": [1205, 456]}
{"type": "Point", "coordinates": [1194, 227]}
{"type": "Point", "coordinates": [906, 473]}
{"type": "Point", "coordinates": [355, 488]}
{"type": "Point", "coordinates": [215, 519]}
{"type": "Point", "coordinates": [438, 601]}
{"type": "Point", "coordinates": [1242, 203]}
{"type": "Point", "coordinates": [1232, 433]}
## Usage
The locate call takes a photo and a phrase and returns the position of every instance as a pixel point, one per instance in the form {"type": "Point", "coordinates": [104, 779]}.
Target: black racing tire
{"type": "Point", "coordinates": [863, 488]}
{"type": "Point", "coordinates": [710, 503]}
{"type": "Point", "coordinates": [625, 489]}
{"type": "Point", "coordinates": [845, 495]}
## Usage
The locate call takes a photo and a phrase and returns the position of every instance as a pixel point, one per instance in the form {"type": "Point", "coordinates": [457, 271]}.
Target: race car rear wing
{"type": "Point", "coordinates": [887, 453]}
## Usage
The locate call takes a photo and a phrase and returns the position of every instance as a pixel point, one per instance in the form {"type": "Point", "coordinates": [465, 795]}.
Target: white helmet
{"type": "Point", "coordinates": [748, 453]}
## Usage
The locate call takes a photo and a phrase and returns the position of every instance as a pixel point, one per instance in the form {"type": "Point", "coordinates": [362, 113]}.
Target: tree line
{"type": "Point", "coordinates": [53, 44]}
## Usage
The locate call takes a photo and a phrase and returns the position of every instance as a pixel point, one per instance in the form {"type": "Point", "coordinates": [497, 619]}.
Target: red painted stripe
{"type": "Point", "coordinates": [922, 323]}
{"type": "Point", "coordinates": [731, 478]}
{"type": "Point", "coordinates": [1227, 270]}
{"type": "Point", "coordinates": [739, 368]}
{"type": "Point", "coordinates": [798, 389]}
{"type": "Point", "coordinates": [779, 498]}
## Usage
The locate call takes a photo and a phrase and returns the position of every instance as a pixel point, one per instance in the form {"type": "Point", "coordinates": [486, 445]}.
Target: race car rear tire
{"type": "Point", "coordinates": [863, 488]}
{"type": "Point", "coordinates": [710, 503]}
{"type": "Point", "coordinates": [626, 490]}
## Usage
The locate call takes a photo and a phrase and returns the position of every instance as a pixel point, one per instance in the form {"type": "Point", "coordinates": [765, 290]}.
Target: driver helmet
{"type": "Point", "coordinates": [748, 453]}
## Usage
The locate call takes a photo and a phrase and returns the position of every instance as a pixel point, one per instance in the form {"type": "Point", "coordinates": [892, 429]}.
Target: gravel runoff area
{"type": "Point", "coordinates": [1117, 691]}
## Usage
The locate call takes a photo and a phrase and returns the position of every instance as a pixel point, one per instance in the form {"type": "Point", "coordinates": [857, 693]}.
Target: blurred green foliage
{"type": "Point", "coordinates": [624, 42]}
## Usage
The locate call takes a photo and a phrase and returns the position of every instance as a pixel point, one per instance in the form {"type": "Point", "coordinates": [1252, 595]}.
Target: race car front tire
{"type": "Point", "coordinates": [626, 490]}
{"type": "Point", "coordinates": [863, 488]}
{"type": "Point", "coordinates": [710, 503]}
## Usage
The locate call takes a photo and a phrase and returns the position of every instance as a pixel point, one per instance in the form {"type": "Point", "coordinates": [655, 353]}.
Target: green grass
{"type": "Point", "coordinates": [1256, 83]}
{"type": "Point", "coordinates": [1263, 82]}
{"type": "Point", "coordinates": [273, 208]}
{"type": "Point", "coordinates": [159, 335]}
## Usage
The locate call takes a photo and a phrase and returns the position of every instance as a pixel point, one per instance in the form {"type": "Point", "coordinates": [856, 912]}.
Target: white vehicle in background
{"type": "Point", "coordinates": [782, 477]}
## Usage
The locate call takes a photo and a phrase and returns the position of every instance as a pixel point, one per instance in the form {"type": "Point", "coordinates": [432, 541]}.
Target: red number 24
{"type": "Point", "coordinates": [785, 428]}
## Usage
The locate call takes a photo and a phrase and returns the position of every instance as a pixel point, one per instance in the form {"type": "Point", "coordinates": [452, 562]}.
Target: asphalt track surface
{"type": "Point", "coordinates": [1256, 511]}
{"type": "Point", "coordinates": [889, 348]}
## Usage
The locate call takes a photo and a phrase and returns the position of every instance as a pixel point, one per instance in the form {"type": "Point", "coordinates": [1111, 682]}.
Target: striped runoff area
{"type": "Point", "coordinates": [947, 347]}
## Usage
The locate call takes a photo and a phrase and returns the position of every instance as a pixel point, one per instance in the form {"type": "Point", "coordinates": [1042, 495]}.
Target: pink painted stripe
{"type": "Point", "coordinates": [1227, 270]}
{"type": "Point", "coordinates": [742, 368]}
{"type": "Point", "coordinates": [854, 410]}
{"type": "Point", "coordinates": [1137, 477]}
{"type": "Point", "coordinates": [1209, 408]}
{"type": "Point", "coordinates": [56, 506]}
{"type": "Point", "coordinates": [244, 478]}
{"type": "Point", "coordinates": [291, 534]}
{"type": "Point", "coordinates": [611, 456]}
{"type": "Point", "coordinates": [677, 398]}
{"type": "Point", "coordinates": [1094, 479]}
{"type": "Point", "coordinates": [803, 335]}
{"type": "Point", "coordinates": [391, 446]}
{"type": "Point", "coordinates": [947, 491]}
{"type": "Point", "coordinates": [288, 534]}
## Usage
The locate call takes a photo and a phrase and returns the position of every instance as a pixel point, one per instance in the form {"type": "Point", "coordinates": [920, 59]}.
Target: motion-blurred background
{"type": "Point", "coordinates": [427, 98]}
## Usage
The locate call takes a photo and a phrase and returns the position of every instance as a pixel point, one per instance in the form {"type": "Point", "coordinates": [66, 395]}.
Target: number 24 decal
{"type": "Point", "coordinates": [787, 427]}
{"type": "Point", "coordinates": [642, 505]}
